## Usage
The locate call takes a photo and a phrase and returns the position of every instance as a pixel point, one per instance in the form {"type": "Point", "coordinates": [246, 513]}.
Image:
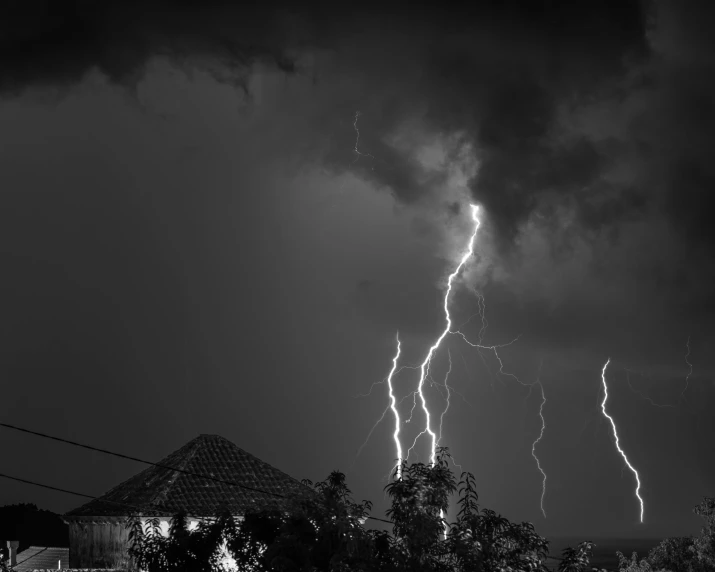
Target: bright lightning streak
{"type": "Point", "coordinates": [384, 380]}
{"type": "Point", "coordinates": [425, 365]}
{"type": "Point", "coordinates": [615, 434]}
{"type": "Point", "coordinates": [690, 370]}
{"type": "Point", "coordinates": [393, 406]}
{"type": "Point", "coordinates": [536, 442]}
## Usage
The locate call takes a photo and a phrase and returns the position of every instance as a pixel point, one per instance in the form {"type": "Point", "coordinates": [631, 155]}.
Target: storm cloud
{"type": "Point", "coordinates": [182, 177]}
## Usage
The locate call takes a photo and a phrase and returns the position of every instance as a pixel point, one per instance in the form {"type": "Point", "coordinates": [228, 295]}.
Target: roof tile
{"type": "Point", "coordinates": [37, 557]}
{"type": "Point", "coordinates": [165, 491]}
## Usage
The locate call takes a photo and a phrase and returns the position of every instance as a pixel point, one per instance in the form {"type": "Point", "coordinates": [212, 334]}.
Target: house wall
{"type": "Point", "coordinates": [102, 544]}
{"type": "Point", "coordinates": [96, 544]}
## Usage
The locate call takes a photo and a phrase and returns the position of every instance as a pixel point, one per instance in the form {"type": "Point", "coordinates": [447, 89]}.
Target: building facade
{"type": "Point", "coordinates": [183, 481]}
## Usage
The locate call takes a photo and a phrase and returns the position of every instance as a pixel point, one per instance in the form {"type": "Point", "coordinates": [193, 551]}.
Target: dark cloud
{"type": "Point", "coordinates": [46, 43]}
{"type": "Point", "coordinates": [496, 71]}
{"type": "Point", "coordinates": [588, 127]}
{"type": "Point", "coordinates": [554, 97]}
{"type": "Point", "coordinates": [501, 77]}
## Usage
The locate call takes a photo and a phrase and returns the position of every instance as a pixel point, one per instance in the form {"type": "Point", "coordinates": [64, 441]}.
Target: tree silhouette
{"type": "Point", "coordinates": [325, 532]}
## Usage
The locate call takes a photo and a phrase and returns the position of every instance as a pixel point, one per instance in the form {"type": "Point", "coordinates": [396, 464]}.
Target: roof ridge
{"type": "Point", "coordinates": [180, 482]}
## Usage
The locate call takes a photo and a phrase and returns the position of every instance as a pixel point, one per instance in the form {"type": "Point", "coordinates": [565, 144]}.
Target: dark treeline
{"type": "Point", "coordinates": [31, 527]}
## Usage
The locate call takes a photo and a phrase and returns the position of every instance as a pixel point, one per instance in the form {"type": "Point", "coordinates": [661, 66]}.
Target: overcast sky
{"type": "Point", "coordinates": [191, 243]}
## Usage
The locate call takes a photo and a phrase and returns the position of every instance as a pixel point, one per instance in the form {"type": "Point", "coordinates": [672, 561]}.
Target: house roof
{"type": "Point", "coordinates": [164, 491]}
{"type": "Point", "coordinates": [39, 557]}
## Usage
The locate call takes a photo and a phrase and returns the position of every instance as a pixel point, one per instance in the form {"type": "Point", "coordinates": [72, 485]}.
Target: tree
{"type": "Point", "coordinates": [32, 526]}
{"type": "Point", "coordinates": [183, 550]}
{"type": "Point", "coordinates": [316, 532]}
{"type": "Point", "coordinates": [325, 532]}
{"type": "Point", "coordinates": [677, 554]}
{"type": "Point", "coordinates": [577, 559]}
{"type": "Point", "coordinates": [705, 545]}
{"type": "Point", "coordinates": [680, 554]}
{"type": "Point", "coordinates": [633, 565]}
{"type": "Point", "coordinates": [420, 495]}
{"type": "Point", "coordinates": [488, 541]}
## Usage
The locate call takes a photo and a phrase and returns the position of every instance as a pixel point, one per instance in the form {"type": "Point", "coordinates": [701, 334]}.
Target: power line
{"type": "Point", "coordinates": [138, 460]}
{"type": "Point", "coordinates": [26, 481]}
{"type": "Point", "coordinates": [52, 488]}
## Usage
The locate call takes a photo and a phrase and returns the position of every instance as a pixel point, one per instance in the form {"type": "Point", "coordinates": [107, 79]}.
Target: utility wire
{"type": "Point", "coordinates": [26, 481]}
{"type": "Point", "coordinates": [138, 460]}
{"type": "Point", "coordinates": [130, 458]}
{"type": "Point", "coordinates": [44, 486]}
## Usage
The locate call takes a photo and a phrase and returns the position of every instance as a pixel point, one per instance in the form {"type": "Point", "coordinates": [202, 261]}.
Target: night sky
{"type": "Point", "coordinates": [191, 243]}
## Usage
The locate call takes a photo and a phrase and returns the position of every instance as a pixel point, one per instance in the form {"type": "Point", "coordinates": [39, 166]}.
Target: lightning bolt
{"type": "Point", "coordinates": [479, 347]}
{"type": "Point", "coordinates": [393, 406]}
{"type": "Point", "coordinates": [384, 380]}
{"type": "Point", "coordinates": [615, 434]}
{"type": "Point", "coordinates": [536, 442]}
{"type": "Point", "coordinates": [643, 395]}
{"type": "Point", "coordinates": [352, 465]}
{"type": "Point", "coordinates": [690, 370]}
{"type": "Point", "coordinates": [449, 395]}
{"type": "Point", "coordinates": [424, 368]}
{"type": "Point", "coordinates": [357, 140]}
{"type": "Point", "coordinates": [483, 314]}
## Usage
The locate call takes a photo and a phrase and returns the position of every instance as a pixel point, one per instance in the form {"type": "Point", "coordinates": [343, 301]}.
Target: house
{"type": "Point", "coordinates": [98, 532]}
{"type": "Point", "coordinates": [39, 558]}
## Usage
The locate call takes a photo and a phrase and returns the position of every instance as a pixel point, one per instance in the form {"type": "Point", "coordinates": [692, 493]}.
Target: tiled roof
{"type": "Point", "coordinates": [161, 491]}
{"type": "Point", "coordinates": [37, 557]}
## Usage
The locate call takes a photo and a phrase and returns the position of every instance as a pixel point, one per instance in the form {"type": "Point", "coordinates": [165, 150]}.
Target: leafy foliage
{"type": "Point", "coordinates": [676, 554]}
{"type": "Point", "coordinates": [182, 550]}
{"type": "Point", "coordinates": [680, 554]}
{"type": "Point", "coordinates": [633, 565]}
{"type": "Point", "coordinates": [576, 559]}
{"type": "Point", "coordinates": [488, 541]}
{"type": "Point", "coordinates": [325, 532]}
{"type": "Point", "coordinates": [705, 545]}
{"type": "Point", "coordinates": [319, 532]}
